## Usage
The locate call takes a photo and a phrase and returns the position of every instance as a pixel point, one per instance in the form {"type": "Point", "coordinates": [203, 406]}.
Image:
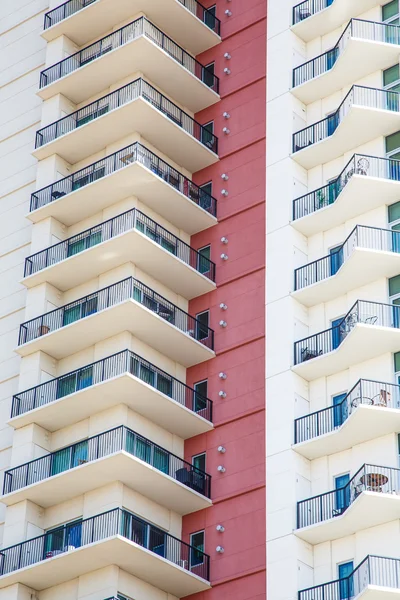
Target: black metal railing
{"type": "Point", "coordinates": [136, 89]}
{"type": "Point", "coordinates": [308, 8]}
{"type": "Point", "coordinates": [357, 28]}
{"type": "Point", "coordinates": [135, 152]}
{"type": "Point", "coordinates": [359, 164]}
{"type": "Point", "coordinates": [370, 478]}
{"type": "Point", "coordinates": [358, 95]}
{"type": "Point", "coordinates": [373, 570]}
{"type": "Point", "coordinates": [121, 363]}
{"type": "Point", "coordinates": [99, 446]}
{"type": "Point", "coordinates": [127, 289]}
{"type": "Point", "coordinates": [365, 392]}
{"type": "Point", "coordinates": [367, 313]}
{"type": "Point", "coordinates": [116, 522]}
{"type": "Point", "coordinates": [127, 221]}
{"type": "Point", "coordinates": [139, 27]}
{"type": "Point", "coordinates": [71, 7]}
{"type": "Point", "coordinates": [371, 238]}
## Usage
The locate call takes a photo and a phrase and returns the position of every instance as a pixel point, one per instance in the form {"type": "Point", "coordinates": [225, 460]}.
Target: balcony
{"type": "Point", "coordinates": [136, 107]}
{"type": "Point", "coordinates": [137, 47]}
{"type": "Point", "coordinates": [115, 537]}
{"type": "Point", "coordinates": [123, 378]}
{"type": "Point", "coordinates": [370, 410]}
{"type": "Point", "coordinates": [368, 330]}
{"type": "Point", "coordinates": [368, 254]}
{"type": "Point", "coordinates": [131, 236]}
{"type": "Point", "coordinates": [133, 170]}
{"type": "Point", "coordinates": [363, 47]}
{"type": "Point", "coordinates": [128, 305]}
{"type": "Point", "coordinates": [364, 114]}
{"type": "Point", "coordinates": [375, 577]}
{"type": "Point", "coordinates": [116, 455]}
{"type": "Point", "coordinates": [370, 498]}
{"type": "Point", "coordinates": [187, 21]}
{"type": "Point", "coordinates": [365, 183]}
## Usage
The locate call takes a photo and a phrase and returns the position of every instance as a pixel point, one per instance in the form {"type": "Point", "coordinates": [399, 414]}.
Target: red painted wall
{"type": "Point", "coordinates": [238, 494]}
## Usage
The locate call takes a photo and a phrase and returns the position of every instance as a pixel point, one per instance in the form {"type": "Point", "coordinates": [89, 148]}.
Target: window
{"type": "Point", "coordinates": [203, 260]}
{"type": "Point", "coordinates": [199, 461]}
{"type": "Point", "coordinates": [339, 410]}
{"type": "Point", "coordinates": [390, 12]}
{"type": "Point", "coordinates": [63, 538]}
{"type": "Point", "coordinates": [202, 325]}
{"type": "Point", "coordinates": [207, 135]}
{"type": "Point", "coordinates": [342, 495]}
{"type": "Point", "coordinates": [208, 75]}
{"type": "Point", "coordinates": [346, 586]}
{"type": "Point", "coordinates": [197, 549]}
{"type": "Point", "coordinates": [209, 17]}
{"type": "Point", "coordinates": [200, 395]}
{"type": "Point", "coordinates": [205, 195]}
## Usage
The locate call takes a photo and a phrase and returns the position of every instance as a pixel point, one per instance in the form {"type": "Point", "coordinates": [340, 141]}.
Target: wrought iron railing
{"type": "Point", "coordinates": [121, 363]}
{"type": "Point", "coordinates": [370, 478]}
{"type": "Point", "coordinates": [308, 8]}
{"type": "Point", "coordinates": [373, 570]}
{"type": "Point", "coordinates": [358, 95]}
{"type": "Point", "coordinates": [127, 289]}
{"type": "Point", "coordinates": [371, 238]}
{"type": "Point", "coordinates": [99, 446]}
{"type": "Point", "coordinates": [357, 28]}
{"type": "Point", "coordinates": [365, 392]}
{"type": "Point", "coordinates": [359, 164]}
{"type": "Point", "coordinates": [136, 89]}
{"type": "Point", "coordinates": [71, 7]}
{"type": "Point", "coordinates": [367, 313]}
{"type": "Point", "coordinates": [139, 27]}
{"type": "Point", "coordinates": [116, 522]}
{"type": "Point", "coordinates": [131, 219]}
{"type": "Point", "coordinates": [135, 152]}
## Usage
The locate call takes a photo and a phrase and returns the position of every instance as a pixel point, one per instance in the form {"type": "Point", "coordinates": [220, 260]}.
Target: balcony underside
{"type": "Point", "coordinates": [362, 343]}
{"type": "Point", "coordinates": [128, 315]}
{"type": "Point", "coordinates": [359, 59]}
{"type": "Point", "coordinates": [364, 424]}
{"type": "Point", "coordinates": [360, 195]}
{"type": "Point", "coordinates": [122, 466]}
{"type": "Point", "coordinates": [360, 125]}
{"type": "Point", "coordinates": [362, 267]}
{"type": "Point", "coordinates": [124, 389]}
{"type": "Point", "coordinates": [138, 55]}
{"type": "Point", "coordinates": [130, 246]}
{"type": "Point", "coordinates": [116, 550]}
{"type": "Point", "coordinates": [368, 510]}
{"type": "Point", "coordinates": [135, 116]}
{"type": "Point", "coordinates": [169, 15]}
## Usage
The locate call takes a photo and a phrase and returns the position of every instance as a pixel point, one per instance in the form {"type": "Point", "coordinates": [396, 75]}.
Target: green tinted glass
{"type": "Point", "coordinates": [394, 212]}
{"type": "Point", "coordinates": [390, 75]}
{"type": "Point", "coordinates": [394, 286]}
{"type": "Point", "coordinates": [397, 362]}
{"type": "Point", "coordinates": [390, 10]}
{"type": "Point", "coordinates": [393, 142]}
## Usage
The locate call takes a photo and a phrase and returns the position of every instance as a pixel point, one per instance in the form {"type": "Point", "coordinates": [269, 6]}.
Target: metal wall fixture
{"type": "Point", "coordinates": [221, 469]}
{"type": "Point", "coordinates": [220, 528]}
{"type": "Point", "coordinates": [222, 394]}
{"type": "Point", "coordinates": [221, 449]}
{"type": "Point", "coordinates": [224, 192]}
{"type": "Point", "coordinates": [220, 549]}
{"type": "Point", "coordinates": [224, 256]}
{"type": "Point", "coordinates": [222, 375]}
{"type": "Point", "coordinates": [223, 323]}
{"type": "Point", "coordinates": [224, 240]}
{"type": "Point", "coordinates": [223, 306]}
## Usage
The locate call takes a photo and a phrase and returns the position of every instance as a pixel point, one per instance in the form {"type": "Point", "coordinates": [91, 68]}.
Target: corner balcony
{"type": "Point", "coordinates": [128, 305]}
{"type": "Point", "coordinates": [364, 114]}
{"type": "Point", "coordinates": [123, 378]}
{"type": "Point", "coordinates": [370, 410]}
{"type": "Point", "coordinates": [132, 171]}
{"type": "Point", "coordinates": [368, 330]}
{"type": "Point", "coordinates": [366, 183]}
{"type": "Point", "coordinates": [131, 236]}
{"type": "Point", "coordinates": [136, 107]}
{"type": "Point", "coordinates": [376, 578]}
{"type": "Point", "coordinates": [116, 455]}
{"type": "Point", "coordinates": [138, 46]}
{"type": "Point", "coordinates": [186, 21]}
{"type": "Point", "coordinates": [367, 254]}
{"type": "Point", "coordinates": [363, 48]}
{"type": "Point", "coordinates": [370, 498]}
{"type": "Point", "coordinates": [116, 537]}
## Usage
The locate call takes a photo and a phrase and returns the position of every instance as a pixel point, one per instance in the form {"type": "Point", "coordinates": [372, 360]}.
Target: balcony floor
{"type": "Point", "coordinates": [133, 180]}
{"type": "Point", "coordinates": [169, 15]}
{"type": "Point", "coordinates": [116, 550]}
{"type": "Point", "coordinates": [121, 466]}
{"type": "Point", "coordinates": [123, 389]}
{"type": "Point", "coordinates": [136, 116]}
{"type": "Point", "coordinates": [138, 55]}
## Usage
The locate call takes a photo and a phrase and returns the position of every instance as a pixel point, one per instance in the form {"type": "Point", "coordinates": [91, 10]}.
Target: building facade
{"type": "Point", "coordinates": [333, 390]}
{"type": "Point", "coordinates": [132, 269]}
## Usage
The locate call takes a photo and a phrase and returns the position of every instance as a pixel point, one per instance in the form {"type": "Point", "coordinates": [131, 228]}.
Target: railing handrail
{"type": "Point", "coordinates": [43, 74]}
{"type": "Point", "coordinates": [296, 8]}
{"type": "Point", "coordinates": [95, 228]}
{"type": "Point", "coordinates": [141, 94]}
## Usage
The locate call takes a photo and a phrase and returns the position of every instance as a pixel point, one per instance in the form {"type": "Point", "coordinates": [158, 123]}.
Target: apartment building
{"type": "Point", "coordinates": [333, 122]}
{"type": "Point", "coordinates": [132, 280]}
